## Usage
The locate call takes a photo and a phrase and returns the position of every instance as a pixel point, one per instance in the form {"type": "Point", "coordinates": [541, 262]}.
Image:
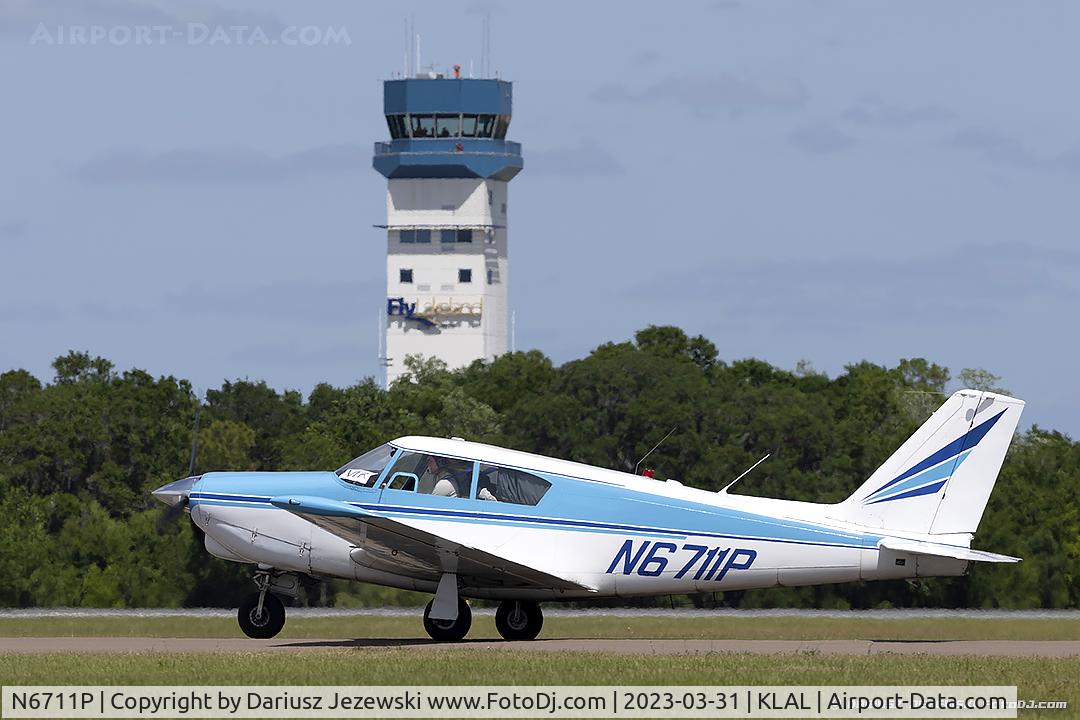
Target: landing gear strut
{"type": "Point", "coordinates": [261, 615]}
{"type": "Point", "coordinates": [519, 619]}
{"type": "Point", "coordinates": [449, 630]}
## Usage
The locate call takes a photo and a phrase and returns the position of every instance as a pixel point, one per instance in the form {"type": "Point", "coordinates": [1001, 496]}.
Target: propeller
{"type": "Point", "coordinates": [176, 494]}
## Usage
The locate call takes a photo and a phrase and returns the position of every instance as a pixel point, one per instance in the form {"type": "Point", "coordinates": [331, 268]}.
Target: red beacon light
{"type": "Point", "coordinates": [648, 472]}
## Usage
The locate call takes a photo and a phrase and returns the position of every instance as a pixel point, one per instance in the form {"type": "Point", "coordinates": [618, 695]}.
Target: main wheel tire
{"type": "Point", "coordinates": [265, 625]}
{"type": "Point", "coordinates": [519, 619]}
{"type": "Point", "coordinates": [449, 630]}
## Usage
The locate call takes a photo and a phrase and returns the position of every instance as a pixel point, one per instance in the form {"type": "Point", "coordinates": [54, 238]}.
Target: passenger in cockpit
{"type": "Point", "coordinates": [486, 484]}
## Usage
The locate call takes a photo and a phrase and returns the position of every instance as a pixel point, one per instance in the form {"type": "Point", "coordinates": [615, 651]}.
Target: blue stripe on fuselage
{"type": "Point", "coordinates": [811, 535]}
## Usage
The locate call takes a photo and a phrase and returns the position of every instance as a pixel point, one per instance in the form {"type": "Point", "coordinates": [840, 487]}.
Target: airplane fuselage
{"type": "Point", "coordinates": [615, 540]}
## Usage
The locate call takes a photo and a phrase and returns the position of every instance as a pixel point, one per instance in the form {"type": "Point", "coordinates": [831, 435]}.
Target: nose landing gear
{"type": "Point", "coordinates": [262, 614]}
{"type": "Point", "coordinates": [261, 617]}
{"type": "Point", "coordinates": [519, 619]}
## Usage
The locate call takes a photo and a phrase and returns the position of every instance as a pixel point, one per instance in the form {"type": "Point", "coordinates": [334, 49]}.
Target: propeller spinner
{"type": "Point", "coordinates": [176, 493]}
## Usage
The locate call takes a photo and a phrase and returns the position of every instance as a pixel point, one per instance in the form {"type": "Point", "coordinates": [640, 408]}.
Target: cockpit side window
{"type": "Point", "coordinates": [511, 486]}
{"type": "Point", "coordinates": [436, 475]}
{"type": "Point", "coordinates": [365, 469]}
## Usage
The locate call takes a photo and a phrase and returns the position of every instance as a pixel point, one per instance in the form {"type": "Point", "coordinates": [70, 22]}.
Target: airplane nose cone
{"type": "Point", "coordinates": [176, 492]}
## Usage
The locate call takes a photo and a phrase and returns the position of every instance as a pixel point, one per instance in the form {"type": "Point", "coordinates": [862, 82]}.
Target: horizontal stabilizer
{"type": "Point", "coordinates": [920, 547]}
{"type": "Point", "coordinates": [392, 544]}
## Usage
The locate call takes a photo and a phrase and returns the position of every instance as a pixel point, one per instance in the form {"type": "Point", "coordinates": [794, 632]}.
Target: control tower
{"type": "Point", "coordinates": [447, 167]}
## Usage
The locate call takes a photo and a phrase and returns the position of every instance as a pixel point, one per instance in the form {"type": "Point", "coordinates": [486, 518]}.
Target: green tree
{"type": "Point", "coordinates": [79, 455]}
{"type": "Point", "coordinates": [225, 445]}
{"type": "Point", "coordinates": [979, 379]}
{"type": "Point", "coordinates": [272, 416]}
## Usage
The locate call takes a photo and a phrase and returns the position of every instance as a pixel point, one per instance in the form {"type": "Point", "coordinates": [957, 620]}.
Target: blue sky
{"type": "Point", "coordinates": [829, 181]}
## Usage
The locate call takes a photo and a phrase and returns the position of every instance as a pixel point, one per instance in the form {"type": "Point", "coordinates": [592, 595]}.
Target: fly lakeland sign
{"type": "Point", "coordinates": [436, 312]}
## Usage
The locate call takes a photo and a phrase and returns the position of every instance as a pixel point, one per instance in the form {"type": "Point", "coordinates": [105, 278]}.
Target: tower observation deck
{"type": "Point", "coordinates": [447, 166]}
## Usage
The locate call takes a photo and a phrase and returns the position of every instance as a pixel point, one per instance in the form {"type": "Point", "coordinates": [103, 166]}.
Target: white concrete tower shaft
{"type": "Point", "coordinates": [446, 271]}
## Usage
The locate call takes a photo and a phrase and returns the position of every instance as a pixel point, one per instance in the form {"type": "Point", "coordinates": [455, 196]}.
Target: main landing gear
{"type": "Point", "coordinates": [448, 630]}
{"type": "Point", "coordinates": [515, 620]}
{"type": "Point", "coordinates": [262, 614]}
{"type": "Point", "coordinates": [519, 619]}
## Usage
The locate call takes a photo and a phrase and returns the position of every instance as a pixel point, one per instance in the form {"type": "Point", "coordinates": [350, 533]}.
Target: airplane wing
{"type": "Point", "coordinates": [922, 547]}
{"type": "Point", "coordinates": [395, 546]}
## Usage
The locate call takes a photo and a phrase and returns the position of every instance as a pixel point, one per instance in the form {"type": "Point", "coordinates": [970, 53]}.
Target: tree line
{"type": "Point", "coordinates": [80, 453]}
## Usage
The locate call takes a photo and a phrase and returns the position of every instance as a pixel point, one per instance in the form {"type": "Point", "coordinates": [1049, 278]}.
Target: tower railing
{"type": "Point", "coordinates": [448, 146]}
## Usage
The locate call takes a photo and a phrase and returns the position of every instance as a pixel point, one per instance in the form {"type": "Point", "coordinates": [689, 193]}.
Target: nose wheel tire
{"type": "Point", "coordinates": [449, 630]}
{"type": "Point", "coordinates": [261, 625]}
{"type": "Point", "coordinates": [519, 619]}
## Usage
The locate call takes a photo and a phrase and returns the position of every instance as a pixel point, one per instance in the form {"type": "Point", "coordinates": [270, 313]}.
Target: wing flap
{"type": "Point", "coordinates": [393, 545]}
{"type": "Point", "coordinates": [922, 547]}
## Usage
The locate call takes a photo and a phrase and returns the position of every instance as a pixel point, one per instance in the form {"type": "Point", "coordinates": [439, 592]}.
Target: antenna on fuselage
{"type": "Point", "coordinates": [744, 473]}
{"type": "Point", "coordinates": [654, 448]}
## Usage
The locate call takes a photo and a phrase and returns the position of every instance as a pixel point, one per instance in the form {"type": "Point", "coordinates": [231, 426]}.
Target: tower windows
{"type": "Point", "coordinates": [415, 236]}
{"type": "Point", "coordinates": [397, 126]}
{"type": "Point", "coordinates": [423, 126]}
{"type": "Point", "coordinates": [463, 235]}
{"type": "Point", "coordinates": [405, 275]}
{"type": "Point", "coordinates": [447, 125]}
{"type": "Point", "coordinates": [464, 275]}
{"type": "Point", "coordinates": [491, 276]}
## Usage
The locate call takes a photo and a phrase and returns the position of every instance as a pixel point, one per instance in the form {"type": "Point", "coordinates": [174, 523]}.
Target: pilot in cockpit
{"type": "Point", "coordinates": [449, 482]}
{"type": "Point", "coordinates": [451, 478]}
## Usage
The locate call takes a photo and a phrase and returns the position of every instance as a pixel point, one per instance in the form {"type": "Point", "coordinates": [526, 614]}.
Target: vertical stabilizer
{"type": "Point", "coordinates": [939, 481]}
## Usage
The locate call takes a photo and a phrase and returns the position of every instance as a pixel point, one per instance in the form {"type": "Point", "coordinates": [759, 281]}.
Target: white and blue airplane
{"type": "Point", "coordinates": [465, 520]}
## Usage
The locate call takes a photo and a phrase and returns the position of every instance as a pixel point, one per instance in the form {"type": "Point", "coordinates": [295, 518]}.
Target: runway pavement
{"type": "Point", "coordinates": [986, 648]}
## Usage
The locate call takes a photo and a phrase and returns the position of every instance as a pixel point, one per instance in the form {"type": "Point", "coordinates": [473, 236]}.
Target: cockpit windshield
{"type": "Point", "coordinates": [365, 469]}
